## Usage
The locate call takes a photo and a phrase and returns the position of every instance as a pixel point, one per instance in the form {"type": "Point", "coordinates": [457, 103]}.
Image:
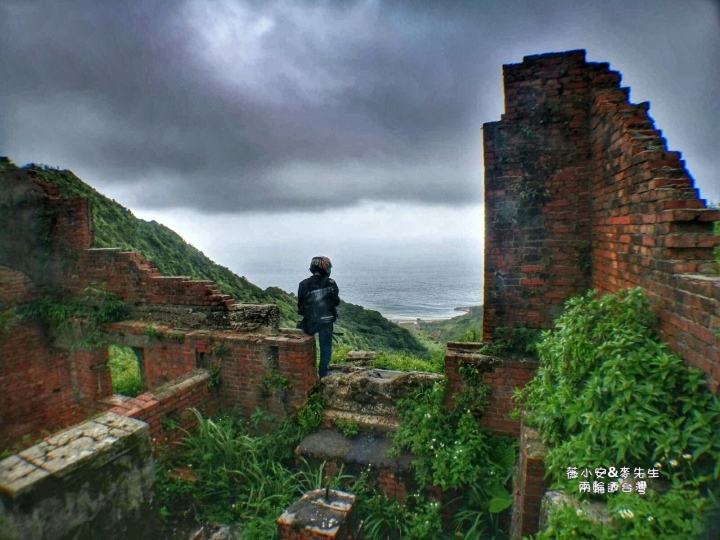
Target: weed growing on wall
{"type": "Point", "coordinates": [8, 318]}
{"type": "Point", "coordinates": [272, 384]}
{"type": "Point", "coordinates": [531, 195]}
{"type": "Point", "coordinates": [152, 332]}
{"type": "Point", "coordinates": [85, 315]}
{"type": "Point", "coordinates": [513, 342]}
{"type": "Point", "coordinates": [347, 427]}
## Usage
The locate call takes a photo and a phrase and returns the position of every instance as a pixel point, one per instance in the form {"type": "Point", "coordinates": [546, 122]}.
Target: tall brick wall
{"type": "Point", "coordinates": [38, 388]}
{"type": "Point", "coordinates": [531, 248]}
{"type": "Point", "coordinates": [621, 211]}
{"type": "Point", "coordinates": [37, 385]}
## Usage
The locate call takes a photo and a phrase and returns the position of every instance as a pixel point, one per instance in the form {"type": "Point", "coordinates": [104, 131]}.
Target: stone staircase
{"type": "Point", "coordinates": [369, 397]}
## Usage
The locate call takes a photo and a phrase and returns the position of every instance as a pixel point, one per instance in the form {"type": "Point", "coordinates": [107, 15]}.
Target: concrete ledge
{"type": "Point", "coordinates": [94, 480]}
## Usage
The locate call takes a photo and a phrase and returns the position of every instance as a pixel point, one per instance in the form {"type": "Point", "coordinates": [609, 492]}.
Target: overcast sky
{"type": "Point", "coordinates": [245, 124]}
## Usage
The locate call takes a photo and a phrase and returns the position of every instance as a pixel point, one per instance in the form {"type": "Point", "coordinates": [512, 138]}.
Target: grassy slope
{"type": "Point", "coordinates": [116, 226]}
{"type": "Point", "coordinates": [456, 328]}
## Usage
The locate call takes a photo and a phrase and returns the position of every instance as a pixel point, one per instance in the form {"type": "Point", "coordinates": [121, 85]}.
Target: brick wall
{"type": "Point", "coordinates": [531, 248]}
{"type": "Point", "coordinates": [245, 362]}
{"type": "Point", "coordinates": [528, 485]}
{"type": "Point", "coordinates": [503, 380]}
{"type": "Point", "coordinates": [15, 287]}
{"type": "Point", "coordinates": [622, 210]}
{"type": "Point", "coordinates": [134, 279]}
{"type": "Point", "coordinates": [37, 386]}
{"type": "Point", "coordinates": [166, 408]}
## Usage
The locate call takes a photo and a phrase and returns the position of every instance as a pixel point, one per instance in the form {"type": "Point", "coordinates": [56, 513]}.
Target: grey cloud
{"type": "Point", "coordinates": [245, 106]}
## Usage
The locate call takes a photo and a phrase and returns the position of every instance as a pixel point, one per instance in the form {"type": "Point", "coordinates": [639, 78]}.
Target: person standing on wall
{"type": "Point", "coordinates": [318, 298]}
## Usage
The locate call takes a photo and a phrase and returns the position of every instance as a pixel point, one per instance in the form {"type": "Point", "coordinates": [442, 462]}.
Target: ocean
{"type": "Point", "coordinates": [402, 281]}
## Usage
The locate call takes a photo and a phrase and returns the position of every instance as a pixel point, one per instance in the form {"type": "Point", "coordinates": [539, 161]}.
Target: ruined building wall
{"type": "Point", "coordinates": [178, 327]}
{"type": "Point", "coordinates": [619, 211]}
{"type": "Point", "coordinates": [541, 143]}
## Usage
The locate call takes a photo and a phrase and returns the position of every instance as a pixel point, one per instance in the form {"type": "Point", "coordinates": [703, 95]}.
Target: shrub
{"type": "Point", "coordinates": [452, 451]}
{"type": "Point", "coordinates": [677, 514]}
{"type": "Point", "coordinates": [605, 380]}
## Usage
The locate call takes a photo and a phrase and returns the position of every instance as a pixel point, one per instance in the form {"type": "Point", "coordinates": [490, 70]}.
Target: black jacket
{"type": "Point", "coordinates": [313, 283]}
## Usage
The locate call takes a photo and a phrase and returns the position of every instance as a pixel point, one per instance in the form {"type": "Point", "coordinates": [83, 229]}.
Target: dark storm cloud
{"type": "Point", "coordinates": [234, 106]}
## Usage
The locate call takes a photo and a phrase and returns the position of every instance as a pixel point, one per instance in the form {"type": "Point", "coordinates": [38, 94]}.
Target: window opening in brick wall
{"type": "Point", "coordinates": [126, 370]}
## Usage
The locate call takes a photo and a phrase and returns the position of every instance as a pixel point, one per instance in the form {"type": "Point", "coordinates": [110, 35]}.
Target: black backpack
{"type": "Point", "coordinates": [318, 304]}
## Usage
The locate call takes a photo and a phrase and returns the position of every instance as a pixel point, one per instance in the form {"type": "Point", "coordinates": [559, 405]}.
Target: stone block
{"type": "Point", "coordinates": [318, 515]}
{"type": "Point", "coordinates": [94, 480]}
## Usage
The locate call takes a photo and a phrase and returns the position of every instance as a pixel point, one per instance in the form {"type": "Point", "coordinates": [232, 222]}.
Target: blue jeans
{"type": "Point", "coordinates": [325, 337]}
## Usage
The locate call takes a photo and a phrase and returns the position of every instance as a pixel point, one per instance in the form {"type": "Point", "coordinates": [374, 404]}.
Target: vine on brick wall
{"type": "Point", "coordinates": [531, 194]}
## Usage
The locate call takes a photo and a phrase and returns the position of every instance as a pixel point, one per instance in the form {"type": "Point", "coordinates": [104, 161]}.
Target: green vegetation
{"type": "Point", "coordinates": [609, 393]}
{"type": "Point", "coordinates": [347, 427]}
{"type": "Point", "coordinates": [227, 472]}
{"type": "Point", "coordinates": [678, 514]}
{"type": "Point", "coordinates": [8, 317]}
{"type": "Point", "coordinates": [514, 342]}
{"type": "Point", "coordinates": [124, 370]}
{"type": "Point", "coordinates": [272, 384]}
{"type": "Point", "coordinates": [152, 332]}
{"type": "Point", "coordinates": [116, 226]}
{"type": "Point", "coordinates": [80, 319]}
{"type": "Point", "coordinates": [399, 361]}
{"type": "Point", "coordinates": [530, 196]}
{"type": "Point", "coordinates": [414, 518]}
{"type": "Point", "coordinates": [367, 329]}
{"type": "Point", "coordinates": [403, 362]}
{"type": "Point", "coordinates": [464, 327]}
{"type": "Point", "coordinates": [453, 452]}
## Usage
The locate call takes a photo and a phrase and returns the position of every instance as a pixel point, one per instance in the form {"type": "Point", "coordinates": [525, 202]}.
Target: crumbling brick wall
{"type": "Point", "coordinates": [503, 380]}
{"type": "Point", "coordinates": [177, 323]}
{"type": "Point", "coordinates": [619, 210]}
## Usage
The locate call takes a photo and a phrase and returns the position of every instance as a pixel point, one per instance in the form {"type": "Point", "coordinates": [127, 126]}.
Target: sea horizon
{"type": "Point", "coordinates": [405, 282]}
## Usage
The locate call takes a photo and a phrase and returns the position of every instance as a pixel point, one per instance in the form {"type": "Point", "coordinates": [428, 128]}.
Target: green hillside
{"type": "Point", "coordinates": [463, 327]}
{"type": "Point", "coordinates": [116, 226]}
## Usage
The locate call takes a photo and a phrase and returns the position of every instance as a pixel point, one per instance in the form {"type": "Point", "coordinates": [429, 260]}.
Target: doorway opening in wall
{"type": "Point", "coordinates": [125, 364]}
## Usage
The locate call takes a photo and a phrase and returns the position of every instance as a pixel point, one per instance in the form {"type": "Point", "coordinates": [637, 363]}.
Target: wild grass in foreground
{"type": "Point", "coordinates": [234, 475]}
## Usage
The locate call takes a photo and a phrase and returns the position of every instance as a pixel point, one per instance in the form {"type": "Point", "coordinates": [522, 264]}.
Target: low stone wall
{"type": "Point", "coordinates": [369, 397]}
{"type": "Point", "coordinates": [94, 480]}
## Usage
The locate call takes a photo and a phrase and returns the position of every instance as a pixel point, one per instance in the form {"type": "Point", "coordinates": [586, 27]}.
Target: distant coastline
{"type": "Point", "coordinates": [403, 321]}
